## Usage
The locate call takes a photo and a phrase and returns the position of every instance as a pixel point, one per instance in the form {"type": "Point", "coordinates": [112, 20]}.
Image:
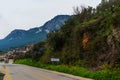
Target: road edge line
{"type": "Point", "coordinates": [7, 73]}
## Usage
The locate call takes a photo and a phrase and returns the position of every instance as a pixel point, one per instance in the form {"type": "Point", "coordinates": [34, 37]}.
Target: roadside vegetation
{"type": "Point", "coordinates": [88, 44]}
{"type": "Point", "coordinates": [104, 74]}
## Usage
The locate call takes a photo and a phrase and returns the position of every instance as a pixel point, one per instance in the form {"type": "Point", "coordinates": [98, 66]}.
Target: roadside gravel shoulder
{"type": "Point", "coordinates": [4, 71]}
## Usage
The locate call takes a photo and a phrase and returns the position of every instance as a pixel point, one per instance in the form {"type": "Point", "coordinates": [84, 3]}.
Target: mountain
{"type": "Point", "coordinates": [20, 37]}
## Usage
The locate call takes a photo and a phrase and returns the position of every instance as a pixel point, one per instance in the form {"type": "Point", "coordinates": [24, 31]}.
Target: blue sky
{"type": "Point", "coordinates": [26, 14]}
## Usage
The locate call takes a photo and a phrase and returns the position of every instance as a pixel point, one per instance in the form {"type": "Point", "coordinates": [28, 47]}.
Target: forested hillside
{"type": "Point", "coordinates": [90, 39]}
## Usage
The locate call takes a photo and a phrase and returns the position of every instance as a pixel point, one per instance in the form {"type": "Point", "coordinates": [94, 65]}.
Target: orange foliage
{"type": "Point", "coordinates": [85, 40]}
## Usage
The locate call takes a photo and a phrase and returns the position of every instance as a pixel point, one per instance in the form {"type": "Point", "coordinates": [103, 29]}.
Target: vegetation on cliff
{"type": "Point", "coordinates": [90, 39]}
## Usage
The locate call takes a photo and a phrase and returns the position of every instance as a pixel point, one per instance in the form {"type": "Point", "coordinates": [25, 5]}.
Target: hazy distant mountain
{"type": "Point", "coordinates": [19, 37]}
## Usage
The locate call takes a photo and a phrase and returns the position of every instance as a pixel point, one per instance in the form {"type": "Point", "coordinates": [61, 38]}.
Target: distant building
{"type": "Point", "coordinates": [28, 47]}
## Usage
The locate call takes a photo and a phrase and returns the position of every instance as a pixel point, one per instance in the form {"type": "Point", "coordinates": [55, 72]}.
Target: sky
{"type": "Point", "coordinates": [26, 14]}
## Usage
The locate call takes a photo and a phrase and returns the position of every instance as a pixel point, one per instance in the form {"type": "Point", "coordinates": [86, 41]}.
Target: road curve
{"type": "Point", "coordinates": [23, 72]}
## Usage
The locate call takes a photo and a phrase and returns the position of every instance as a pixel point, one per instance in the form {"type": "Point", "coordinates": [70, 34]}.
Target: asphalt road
{"type": "Point", "coordinates": [23, 72]}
